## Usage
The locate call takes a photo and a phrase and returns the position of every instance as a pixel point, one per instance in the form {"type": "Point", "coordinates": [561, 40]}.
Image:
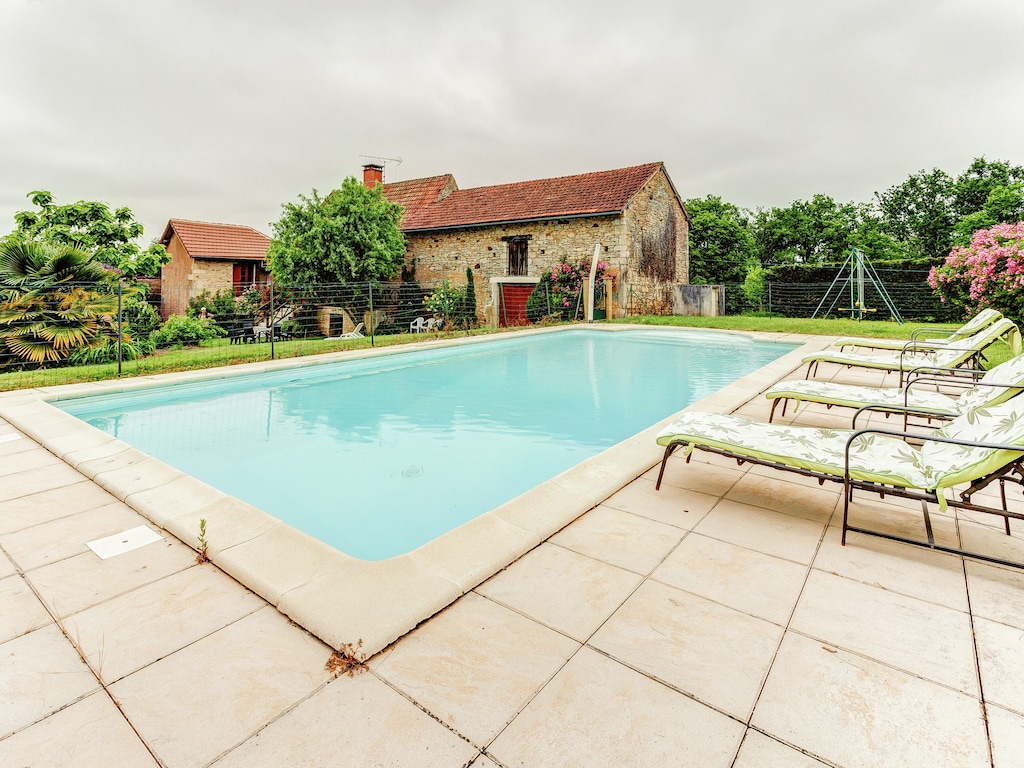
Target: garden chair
{"type": "Point", "coordinates": [355, 333]}
{"type": "Point", "coordinates": [1000, 383]}
{"type": "Point", "coordinates": [967, 353]}
{"type": "Point", "coordinates": [418, 325]}
{"type": "Point", "coordinates": [976, 448]}
{"type": "Point", "coordinates": [918, 339]}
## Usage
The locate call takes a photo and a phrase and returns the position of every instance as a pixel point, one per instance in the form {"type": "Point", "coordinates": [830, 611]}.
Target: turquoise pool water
{"type": "Point", "coordinates": [378, 456]}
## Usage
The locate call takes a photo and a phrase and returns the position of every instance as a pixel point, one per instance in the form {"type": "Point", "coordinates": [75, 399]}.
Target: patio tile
{"type": "Point", "coordinates": [597, 712]}
{"type": "Point", "coordinates": [996, 593]}
{"type": "Point", "coordinates": [913, 571]}
{"type": "Point", "coordinates": [1006, 730]}
{"type": "Point", "coordinates": [858, 713]}
{"type": "Point", "coordinates": [898, 520]}
{"type": "Point", "coordinates": [76, 583]}
{"type": "Point", "coordinates": [772, 533]}
{"type": "Point", "coordinates": [128, 632]}
{"type": "Point", "coordinates": [37, 480]}
{"type": "Point", "coordinates": [993, 542]}
{"type": "Point", "coordinates": [566, 591]}
{"type": "Point", "coordinates": [620, 538]}
{"type": "Point", "coordinates": [6, 566]}
{"type": "Point", "coordinates": [196, 704]}
{"type": "Point", "coordinates": [39, 674]}
{"type": "Point", "coordinates": [483, 761]}
{"type": "Point", "coordinates": [475, 665]}
{"type": "Point", "coordinates": [20, 609]}
{"type": "Point", "coordinates": [353, 721]}
{"type": "Point", "coordinates": [24, 461]}
{"type": "Point", "coordinates": [91, 733]}
{"type": "Point", "coordinates": [45, 506]}
{"type": "Point", "coordinates": [671, 505]}
{"type": "Point", "coordinates": [715, 653]}
{"type": "Point", "coordinates": [749, 581]}
{"type": "Point", "coordinates": [759, 751]}
{"type": "Point", "coordinates": [49, 542]}
{"type": "Point", "coordinates": [922, 638]}
{"type": "Point", "coordinates": [999, 652]}
{"type": "Point", "coordinates": [779, 494]}
{"type": "Point", "coordinates": [698, 476]}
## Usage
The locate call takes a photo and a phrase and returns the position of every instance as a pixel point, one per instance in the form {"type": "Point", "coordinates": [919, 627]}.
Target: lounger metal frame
{"type": "Point", "coordinates": [1012, 472]}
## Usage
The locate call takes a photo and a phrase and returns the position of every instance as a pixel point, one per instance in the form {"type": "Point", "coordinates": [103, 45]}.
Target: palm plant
{"type": "Point", "coordinates": [52, 301]}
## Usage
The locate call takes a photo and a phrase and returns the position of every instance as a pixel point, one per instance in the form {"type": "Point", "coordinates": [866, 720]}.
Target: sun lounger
{"type": "Point", "coordinates": [977, 448]}
{"type": "Point", "coordinates": [918, 397]}
{"type": "Point", "coordinates": [967, 353]}
{"type": "Point", "coordinates": [355, 333]}
{"type": "Point", "coordinates": [920, 340]}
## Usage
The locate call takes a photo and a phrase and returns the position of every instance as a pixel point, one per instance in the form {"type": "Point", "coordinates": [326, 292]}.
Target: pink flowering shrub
{"type": "Point", "coordinates": [987, 273]}
{"type": "Point", "coordinates": [559, 290]}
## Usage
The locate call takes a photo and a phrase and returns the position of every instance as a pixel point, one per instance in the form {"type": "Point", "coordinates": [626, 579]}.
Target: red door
{"type": "Point", "coordinates": [512, 308]}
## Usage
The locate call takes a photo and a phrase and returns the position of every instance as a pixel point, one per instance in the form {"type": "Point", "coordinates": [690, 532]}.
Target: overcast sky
{"type": "Point", "coordinates": [222, 111]}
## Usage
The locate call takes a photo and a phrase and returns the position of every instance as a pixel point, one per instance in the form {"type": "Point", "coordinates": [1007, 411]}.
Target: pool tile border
{"type": "Point", "coordinates": [338, 598]}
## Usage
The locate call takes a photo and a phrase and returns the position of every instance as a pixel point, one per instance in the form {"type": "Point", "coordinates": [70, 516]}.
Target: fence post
{"type": "Point", "coordinates": [373, 324]}
{"type": "Point", "coordinates": [120, 330]}
{"type": "Point", "coordinates": [270, 321]}
{"type": "Point", "coordinates": [769, 299]}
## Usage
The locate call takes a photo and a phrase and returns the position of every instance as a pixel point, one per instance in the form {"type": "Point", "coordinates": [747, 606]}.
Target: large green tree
{"type": "Point", "coordinates": [92, 227]}
{"type": "Point", "coordinates": [808, 231]}
{"type": "Point", "coordinates": [721, 241]}
{"type": "Point", "coordinates": [349, 235]}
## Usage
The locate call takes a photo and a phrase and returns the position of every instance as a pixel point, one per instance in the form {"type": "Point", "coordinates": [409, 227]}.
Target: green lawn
{"type": "Point", "coordinates": [220, 352]}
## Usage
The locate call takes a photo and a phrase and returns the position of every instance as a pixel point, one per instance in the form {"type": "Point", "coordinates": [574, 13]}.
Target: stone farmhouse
{"type": "Point", "coordinates": [209, 257]}
{"type": "Point", "coordinates": [510, 234]}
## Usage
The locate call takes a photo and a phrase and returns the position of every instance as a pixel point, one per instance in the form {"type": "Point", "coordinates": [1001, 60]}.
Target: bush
{"type": "Point", "coordinates": [219, 303]}
{"type": "Point", "coordinates": [131, 349]}
{"type": "Point", "coordinates": [186, 331]}
{"type": "Point", "coordinates": [447, 304]}
{"type": "Point", "coordinates": [987, 273]}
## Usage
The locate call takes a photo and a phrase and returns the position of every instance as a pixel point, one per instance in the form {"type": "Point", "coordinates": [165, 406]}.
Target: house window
{"type": "Point", "coordinates": [245, 274]}
{"type": "Point", "coordinates": [518, 255]}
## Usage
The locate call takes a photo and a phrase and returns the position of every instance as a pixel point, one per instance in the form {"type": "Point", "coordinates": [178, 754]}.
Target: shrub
{"type": "Point", "coordinates": [559, 292]}
{"type": "Point", "coordinates": [219, 303]}
{"type": "Point", "coordinates": [987, 273]}
{"type": "Point", "coordinates": [185, 331]}
{"type": "Point", "coordinates": [446, 303]}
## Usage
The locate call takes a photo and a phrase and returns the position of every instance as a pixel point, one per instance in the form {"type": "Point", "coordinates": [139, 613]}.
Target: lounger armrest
{"type": "Point", "coordinates": [952, 373]}
{"type": "Point", "coordinates": [920, 332]}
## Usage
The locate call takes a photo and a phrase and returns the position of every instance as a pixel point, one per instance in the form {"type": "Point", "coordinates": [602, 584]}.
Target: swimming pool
{"type": "Point", "coordinates": [377, 457]}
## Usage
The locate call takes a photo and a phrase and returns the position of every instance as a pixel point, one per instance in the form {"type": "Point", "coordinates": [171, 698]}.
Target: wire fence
{"type": "Point", "coordinates": [114, 329]}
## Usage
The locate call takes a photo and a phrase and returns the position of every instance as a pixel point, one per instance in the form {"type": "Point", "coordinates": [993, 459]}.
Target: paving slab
{"type": "Point", "coordinates": [773, 533]}
{"type": "Point", "coordinates": [999, 653]}
{"type": "Point", "coordinates": [20, 610]}
{"type": "Point", "coordinates": [42, 507]}
{"type": "Point", "coordinates": [598, 712]}
{"type": "Point", "coordinates": [759, 751]}
{"type": "Point", "coordinates": [671, 505]}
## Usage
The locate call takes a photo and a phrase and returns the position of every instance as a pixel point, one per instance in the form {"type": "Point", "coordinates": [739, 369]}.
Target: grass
{"type": "Point", "coordinates": [220, 352]}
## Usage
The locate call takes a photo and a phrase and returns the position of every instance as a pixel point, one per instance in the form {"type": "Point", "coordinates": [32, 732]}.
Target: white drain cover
{"type": "Point", "coordinates": [123, 542]}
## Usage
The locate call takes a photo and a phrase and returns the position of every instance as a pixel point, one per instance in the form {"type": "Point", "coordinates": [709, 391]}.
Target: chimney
{"type": "Point", "coordinates": [373, 174]}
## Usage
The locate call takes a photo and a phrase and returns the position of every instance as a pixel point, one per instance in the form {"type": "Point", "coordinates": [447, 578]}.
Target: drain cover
{"type": "Point", "coordinates": [410, 472]}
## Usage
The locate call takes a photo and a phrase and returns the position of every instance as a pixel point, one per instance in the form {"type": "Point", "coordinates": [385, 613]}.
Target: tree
{"type": "Point", "coordinates": [974, 187]}
{"type": "Point", "coordinates": [351, 235]}
{"type": "Point", "coordinates": [54, 300]}
{"type": "Point", "coordinates": [91, 227]}
{"type": "Point", "coordinates": [920, 213]}
{"type": "Point", "coordinates": [1004, 205]}
{"type": "Point", "coordinates": [721, 241]}
{"type": "Point", "coordinates": [809, 232]}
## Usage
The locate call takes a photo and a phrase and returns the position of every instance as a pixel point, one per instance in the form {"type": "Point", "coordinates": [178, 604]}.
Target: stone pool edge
{"type": "Point", "coordinates": [336, 597]}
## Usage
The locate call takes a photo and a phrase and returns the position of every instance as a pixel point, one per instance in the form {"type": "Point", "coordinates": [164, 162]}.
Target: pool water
{"type": "Point", "coordinates": [379, 456]}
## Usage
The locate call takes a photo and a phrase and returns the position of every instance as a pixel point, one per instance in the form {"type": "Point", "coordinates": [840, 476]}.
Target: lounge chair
{"type": "Point", "coordinates": [355, 333]}
{"type": "Point", "coordinates": [976, 448]}
{"type": "Point", "coordinates": [1000, 383]}
{"type": "Point", "coordinates": [967, 353]}
{"type": "Point", "coordinates": [920, 340]}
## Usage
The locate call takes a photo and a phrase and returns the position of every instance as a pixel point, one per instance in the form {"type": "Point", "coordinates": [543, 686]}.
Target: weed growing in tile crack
{"type": "Point", "coordinates": [347, 660]}
{"type": "Point", "coordinates": [201, 556]}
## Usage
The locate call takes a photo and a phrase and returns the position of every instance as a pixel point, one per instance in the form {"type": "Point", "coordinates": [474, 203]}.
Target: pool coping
{"type": "Point", "coordinates": [341, 599]}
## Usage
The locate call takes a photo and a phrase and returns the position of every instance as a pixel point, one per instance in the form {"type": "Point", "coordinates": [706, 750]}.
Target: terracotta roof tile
{"type": "Point", "coordinates": [412, 195]}
{"type": "Point", "coordinates": [204, 240]}
{"type": "Point", "coordinates": [588, 193]}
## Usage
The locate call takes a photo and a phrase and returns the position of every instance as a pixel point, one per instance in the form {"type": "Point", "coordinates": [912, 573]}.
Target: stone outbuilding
{"type": "Point", "coordinates": [510, 234]}
{"type": "Point", "coordinates": [209, 257]}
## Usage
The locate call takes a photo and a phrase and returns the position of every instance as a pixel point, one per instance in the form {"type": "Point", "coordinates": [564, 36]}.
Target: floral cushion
{"type": "Point", "coordinates": [851, 396]}
{"type": "Point", "coordinates": [977, 323]}
{"type": "Point", "coordinates": [952, 464]}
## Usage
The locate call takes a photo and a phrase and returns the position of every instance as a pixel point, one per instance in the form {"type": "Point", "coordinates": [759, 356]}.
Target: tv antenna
{"type": "Point", "coordinates": [383, 160]}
